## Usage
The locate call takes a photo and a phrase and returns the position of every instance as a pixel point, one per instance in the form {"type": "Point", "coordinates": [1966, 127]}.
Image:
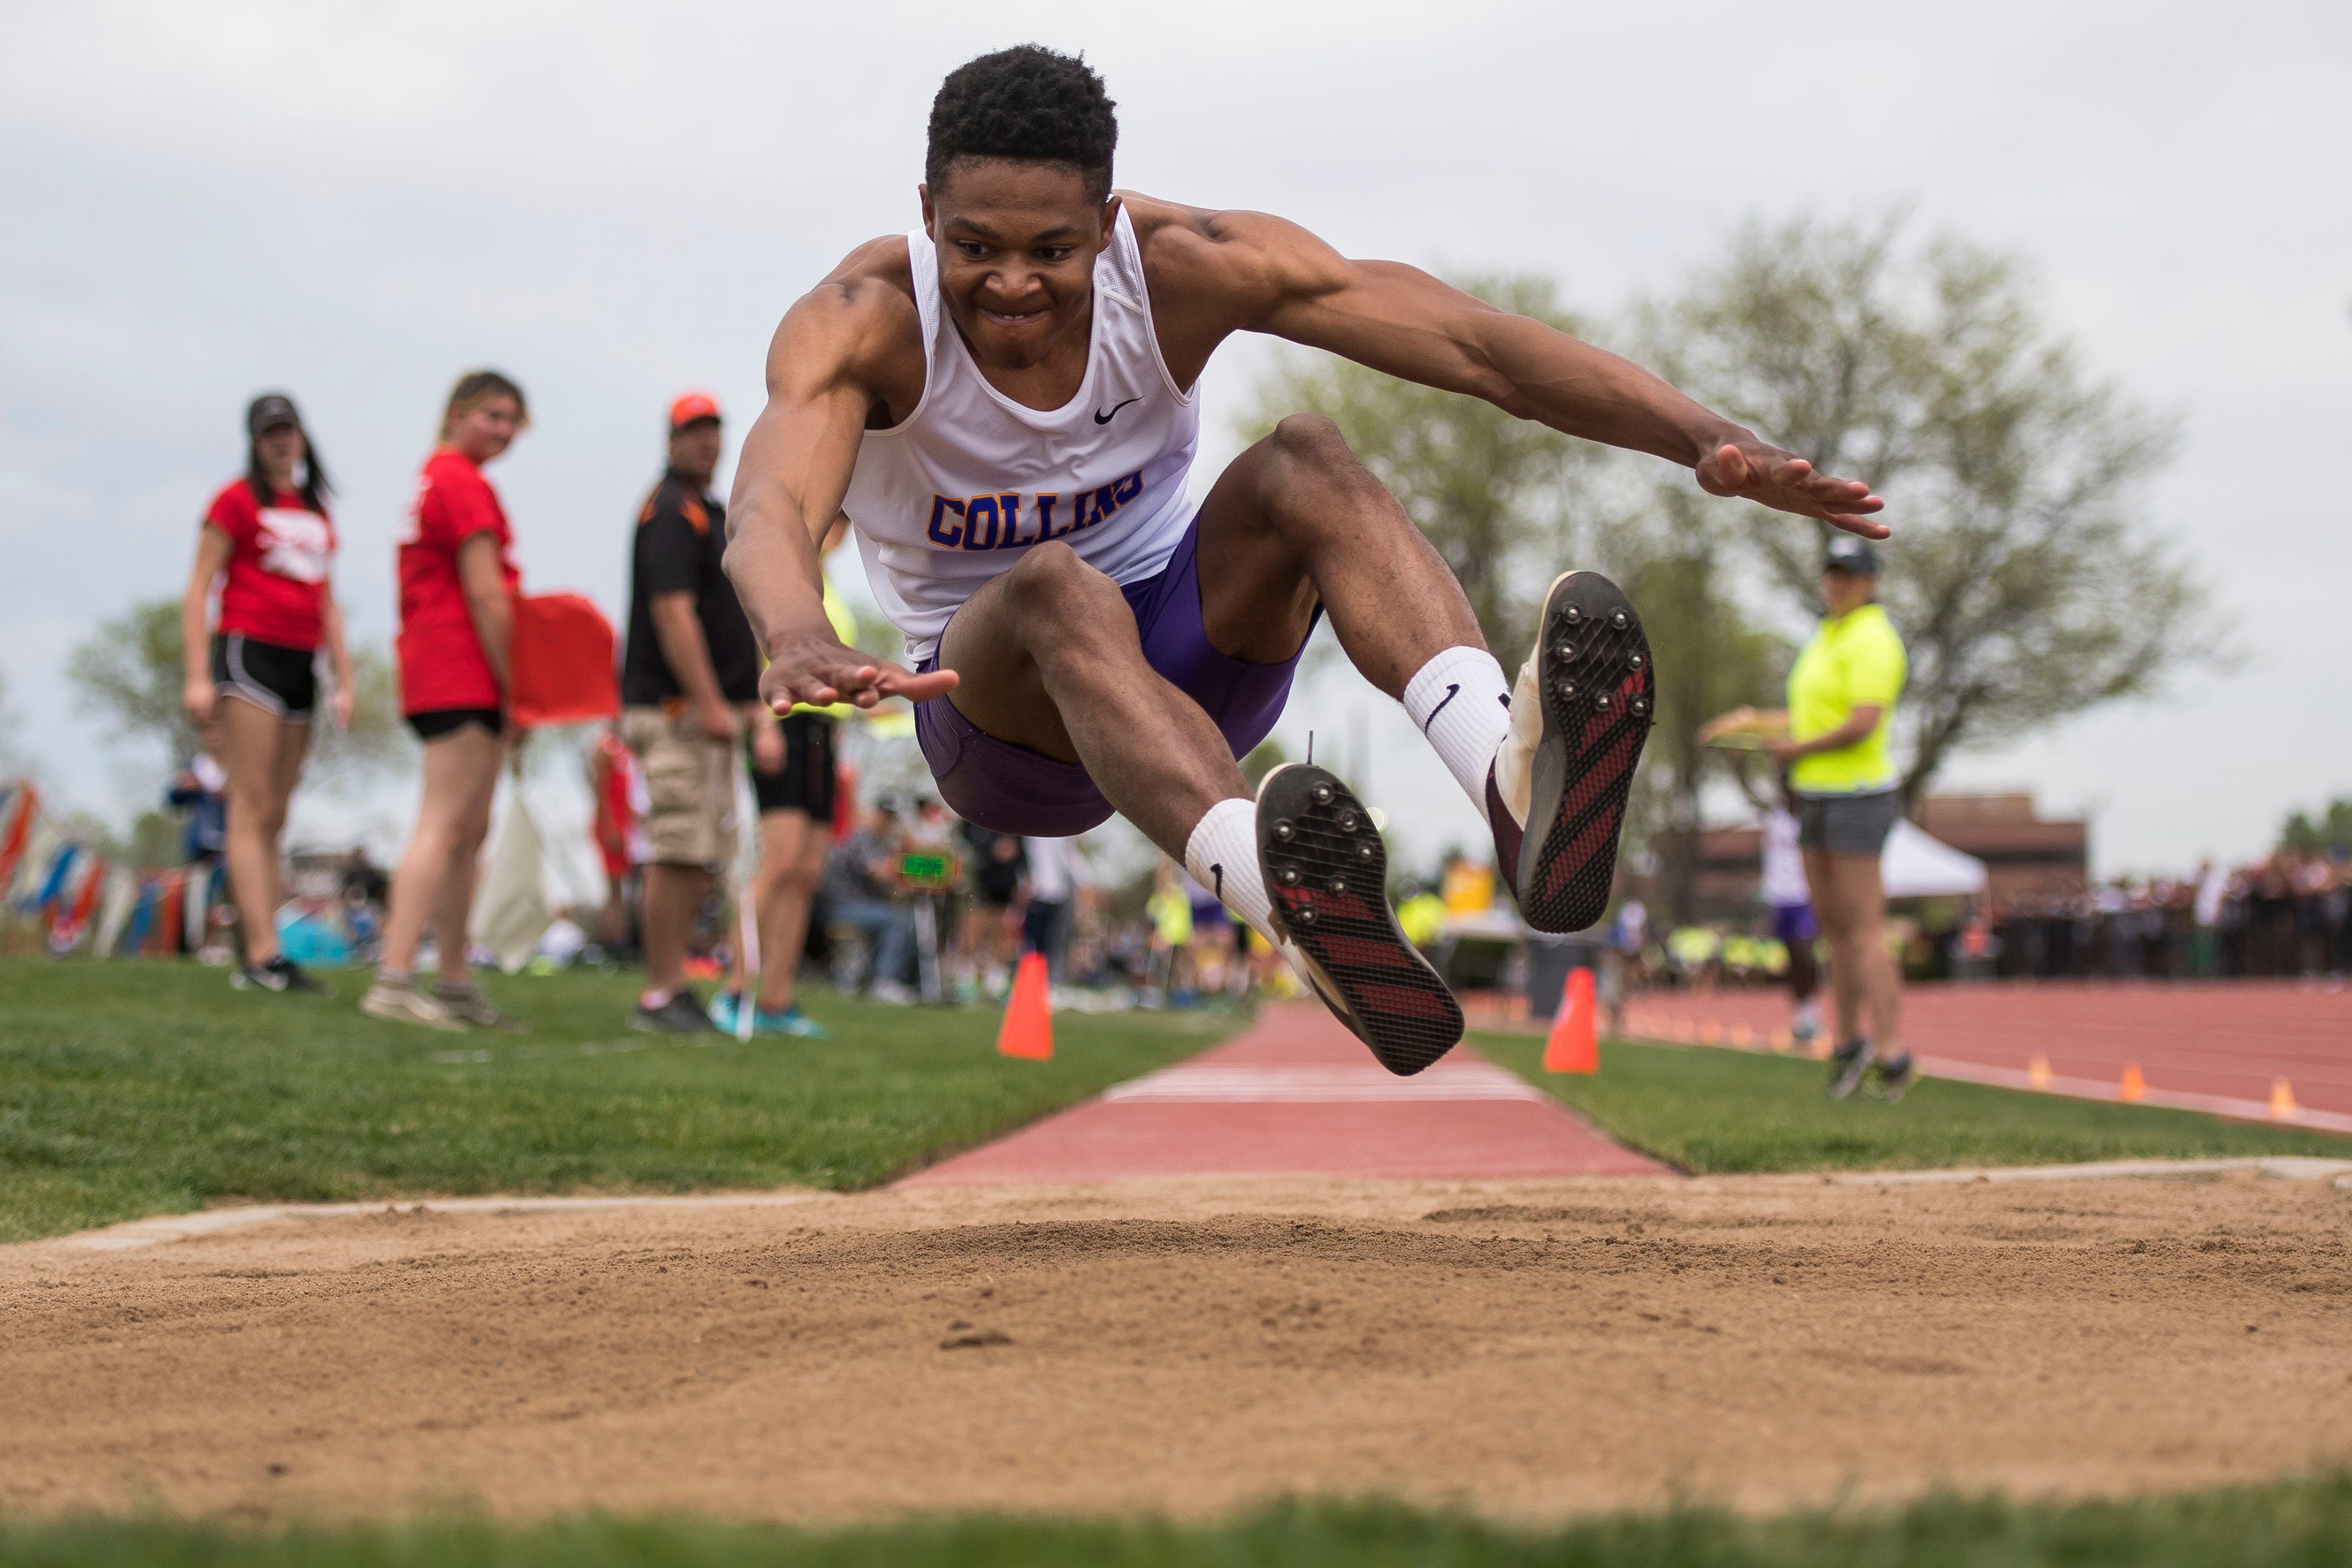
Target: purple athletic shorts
{"type": "Point", "coordinates": [1793, 923]}
{"type": "Point", "coordinates": [1011, 789]}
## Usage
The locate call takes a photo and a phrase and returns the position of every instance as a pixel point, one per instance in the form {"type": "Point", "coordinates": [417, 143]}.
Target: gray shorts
{"type": "Point", "coordinates": [1848, 823]}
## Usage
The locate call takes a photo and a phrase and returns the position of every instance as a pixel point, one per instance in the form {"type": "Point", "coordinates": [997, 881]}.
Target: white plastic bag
{"type": "Point", "coordinates": [510, 911]}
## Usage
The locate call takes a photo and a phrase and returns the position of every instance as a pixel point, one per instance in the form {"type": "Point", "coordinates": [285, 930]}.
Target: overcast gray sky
{"type": "Point", "coordinates": [614, 203]}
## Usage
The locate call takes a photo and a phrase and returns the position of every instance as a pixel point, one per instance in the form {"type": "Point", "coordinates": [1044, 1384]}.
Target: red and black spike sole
{"type": "Point", "coordinates": [1599, 698]}
{"type": "Point", "coordinates": [1326, 871]}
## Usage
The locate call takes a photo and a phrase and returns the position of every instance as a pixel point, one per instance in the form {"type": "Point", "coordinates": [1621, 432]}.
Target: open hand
{"type": "Point", "coordinates": [823, 672]}
{"type": "Point", "coordinates": [1786, 482]}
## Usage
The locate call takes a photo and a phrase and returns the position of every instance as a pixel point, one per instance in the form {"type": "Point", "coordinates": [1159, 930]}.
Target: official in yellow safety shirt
{"type": "Point", "coordinates": [1842, 777]}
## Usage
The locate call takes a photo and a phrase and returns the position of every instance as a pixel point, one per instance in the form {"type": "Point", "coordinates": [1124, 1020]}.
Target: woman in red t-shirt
{"type": "Point", "coordinates": [458, 581]}
{"type": "Point", "coordinates": [267, 541]}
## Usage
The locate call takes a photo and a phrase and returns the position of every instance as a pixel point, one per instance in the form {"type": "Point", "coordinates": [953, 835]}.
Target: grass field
{"type": "Point", "coordinates": [2290, 1524]}
{"type": "Point", "coordinates": [1708, 1110]}
{"type": "Point", "coordinates": [138, 1089]}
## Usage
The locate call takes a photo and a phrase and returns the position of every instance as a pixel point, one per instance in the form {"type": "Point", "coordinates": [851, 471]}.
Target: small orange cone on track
{"type": "Point", "coordinates": [2037, 1072]}
{"type": "Point", "coordinates": [1028, 1027]}
{"type": "Point", "coordinates": [1743, 1037]}
{"type": "Point", "coordinates": [1710, 1032]}
{"type": "Point", "coordinates": [1572, 1045]}
{"type": "Point", "coordinates": [2282, 1100]}
{"type": "Point", "coordinates": [2132, 1085]}
{"type": "Point", "coordinates": [1781, 1040]}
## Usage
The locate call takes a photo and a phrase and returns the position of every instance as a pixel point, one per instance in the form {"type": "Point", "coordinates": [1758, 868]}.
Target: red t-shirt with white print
{"type": "Point", "coordinates": [442, 665]}
{"type": "Point", "coordinates": [276, 585]}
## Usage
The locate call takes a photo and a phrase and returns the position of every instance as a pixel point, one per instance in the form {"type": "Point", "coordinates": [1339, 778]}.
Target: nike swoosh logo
{"type": "Point", "coordinates": [1101, 418]}
{"type": "Point", "coordinates": [1451, 691]}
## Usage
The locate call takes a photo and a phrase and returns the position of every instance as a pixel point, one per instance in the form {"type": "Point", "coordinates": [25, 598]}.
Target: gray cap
{"type": "Point", "coordinates": [269, 411]}
{"type": "Point", "coordinates": [1850, 553]}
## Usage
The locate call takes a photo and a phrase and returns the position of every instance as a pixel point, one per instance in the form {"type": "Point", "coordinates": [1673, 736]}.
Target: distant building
{"type": "Point", "coordinates": [2026, 855]}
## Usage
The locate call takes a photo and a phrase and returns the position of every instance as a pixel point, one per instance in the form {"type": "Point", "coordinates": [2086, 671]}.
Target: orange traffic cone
{"type": "Point", "coordinates": [2282, 1100]}
{"type": "Point", "coordinates": [2132, 1085]}
{"type": "Point", "coordinates": [1572, 1046]}
{"type": "Point", "coordinates": [1028, 1027]}
{"type": "Point", "coordinates": [2037, 1071]}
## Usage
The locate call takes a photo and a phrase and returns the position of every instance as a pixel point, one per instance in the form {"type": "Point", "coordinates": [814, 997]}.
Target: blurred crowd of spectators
{"type": "Point", "coordinates": [2289, 915]}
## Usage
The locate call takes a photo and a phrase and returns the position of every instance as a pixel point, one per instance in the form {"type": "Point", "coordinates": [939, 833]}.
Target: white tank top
{"type": "Point", "coordinates": [958, 490]}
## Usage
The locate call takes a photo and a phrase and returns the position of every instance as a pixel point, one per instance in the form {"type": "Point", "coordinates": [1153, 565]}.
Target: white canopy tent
{"type": "Point", "coordinates": [1917, 866]}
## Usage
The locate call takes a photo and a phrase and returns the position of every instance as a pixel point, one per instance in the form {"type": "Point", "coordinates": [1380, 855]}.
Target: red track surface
{"type": "Point", "coordinates": [2220, 1047]}
{"type": "Point", "coordinates": [1297, 1095]}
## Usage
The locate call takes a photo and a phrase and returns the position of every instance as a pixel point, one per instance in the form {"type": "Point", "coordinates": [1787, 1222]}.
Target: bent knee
{"type": "Point", "coordinates": [1313, 441]}
{"type": "Point", "coordinates": [1307, 463]}
{"type": "Point", "coordinates": [1051, 576]}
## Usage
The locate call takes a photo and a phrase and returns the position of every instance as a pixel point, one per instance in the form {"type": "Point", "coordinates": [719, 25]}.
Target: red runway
{"type": "Point", "coordinates": [2224, 1048]}
{"type": "Point", "coordinates": [1297, 1095]}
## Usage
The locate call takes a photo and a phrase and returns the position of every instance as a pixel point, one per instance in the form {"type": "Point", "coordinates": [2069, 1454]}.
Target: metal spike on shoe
{"type": "Point", "coordinates": [1590, 699]}
{"type": "Point", "coordinates": [1329, 901]}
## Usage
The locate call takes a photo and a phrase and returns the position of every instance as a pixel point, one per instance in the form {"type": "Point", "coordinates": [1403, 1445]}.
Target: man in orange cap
{"type": "Point", "coordinates": [688, 673]}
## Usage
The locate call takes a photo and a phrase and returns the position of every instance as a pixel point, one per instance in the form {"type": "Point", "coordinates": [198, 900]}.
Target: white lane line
{"type": "Point", "coordinates": [2287, 1167]}
{"type": "Point", "coordinates": [1323, 1086]}
{"type": "Point", "coordinates": [140, 1233]}
{"type": "Point", "coordinates": [1684, 1031]}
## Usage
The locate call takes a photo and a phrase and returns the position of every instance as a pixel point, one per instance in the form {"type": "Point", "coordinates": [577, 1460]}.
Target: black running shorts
{"type": "Point", "coordinates": [806, 781]}
{"type": "Point", "coordinates": [440, 722]}
{"type": "Point", "coordinates": [281, 681]}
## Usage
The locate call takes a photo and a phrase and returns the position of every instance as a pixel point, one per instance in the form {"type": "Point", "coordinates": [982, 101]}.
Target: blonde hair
{"type": "Point", "coordinates": [477, 387]}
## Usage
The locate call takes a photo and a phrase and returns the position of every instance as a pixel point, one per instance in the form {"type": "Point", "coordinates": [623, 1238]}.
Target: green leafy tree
{"type": "Point", "coordinates": [1494, 494]}
{"type": "Point", "coordinates": [1676, 559]}
{"type": "Point", "coordinates": [129, 672]}
{"type": "Point", "coordinates": [2025, 572]}
{"type": "Point", "coordinates": [1509, 503]}
{"type": "Point", "coordinates": [2330, 832]}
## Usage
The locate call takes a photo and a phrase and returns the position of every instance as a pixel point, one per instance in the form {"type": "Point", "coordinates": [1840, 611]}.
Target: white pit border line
{"type": "Point", "coordinates": [137, 1233]}
{"type": "Point", "coordinates": [134, 1234]}
{"type": "Point", "coordinates": [2287, 1167]}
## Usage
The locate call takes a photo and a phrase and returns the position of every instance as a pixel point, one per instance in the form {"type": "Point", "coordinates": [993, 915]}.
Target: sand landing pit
{"type": "Point", "coordinates": [1529, 1348]}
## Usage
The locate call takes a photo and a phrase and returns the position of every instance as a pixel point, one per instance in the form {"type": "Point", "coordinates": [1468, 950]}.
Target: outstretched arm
{"type": "Point", "coordinates": [789, 483]}
{"type": "Point", "coordinates": [1400, 320]}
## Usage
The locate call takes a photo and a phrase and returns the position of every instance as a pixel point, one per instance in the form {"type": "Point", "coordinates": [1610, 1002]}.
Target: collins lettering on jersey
{"type": "Point", "coordinates": [998, 521]}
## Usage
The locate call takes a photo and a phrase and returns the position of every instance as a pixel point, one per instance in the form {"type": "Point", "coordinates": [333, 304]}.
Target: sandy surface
{"type": "Point", "coordinates": [1529, 1348]}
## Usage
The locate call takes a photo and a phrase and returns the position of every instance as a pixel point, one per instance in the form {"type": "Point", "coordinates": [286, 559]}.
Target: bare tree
{"type": "Point", "coordinates": [9, 758]}
{"type": "Point", "coordinates": [2025, 572]}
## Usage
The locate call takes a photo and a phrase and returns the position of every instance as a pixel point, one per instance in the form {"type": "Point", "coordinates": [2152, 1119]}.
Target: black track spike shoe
{"type": "Point", "coordinates": [1582, 708]}
{"type": "Point", "coordinates": [1327, 872]}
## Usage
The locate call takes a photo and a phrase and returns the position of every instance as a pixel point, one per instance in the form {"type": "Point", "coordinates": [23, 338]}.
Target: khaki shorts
{"type": "Point", "coordinates": [689, 789]}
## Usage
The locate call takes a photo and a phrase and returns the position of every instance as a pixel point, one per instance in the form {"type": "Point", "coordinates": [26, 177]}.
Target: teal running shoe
{"type": "Point", "coordinates": [726, 1013]}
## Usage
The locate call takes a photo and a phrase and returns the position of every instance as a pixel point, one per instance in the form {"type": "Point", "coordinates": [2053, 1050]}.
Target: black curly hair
{"type": "Point", "coordinates": [1029, 103]}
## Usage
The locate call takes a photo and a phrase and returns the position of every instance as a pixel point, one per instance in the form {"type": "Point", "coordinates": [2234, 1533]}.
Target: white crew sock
{"type": "Point", "coordinates": [1462, 703]}
{"type": "Point", "coordinates": [1222, 854]}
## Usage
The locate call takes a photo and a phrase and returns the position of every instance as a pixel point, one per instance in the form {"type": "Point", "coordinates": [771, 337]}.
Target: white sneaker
{"type": "Point", "coordinates": [402, 1002]}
